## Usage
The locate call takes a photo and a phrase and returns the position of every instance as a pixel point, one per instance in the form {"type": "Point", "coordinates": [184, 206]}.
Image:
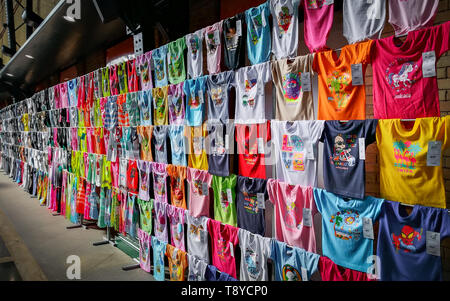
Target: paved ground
{"type": "Point", "coordinates": [35, 245]}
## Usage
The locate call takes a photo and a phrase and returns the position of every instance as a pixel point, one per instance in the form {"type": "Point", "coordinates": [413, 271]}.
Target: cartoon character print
{"type": "Point", "coordinates": [290, 273]}
{"type": "Point", "coordinates": [292, 87]}
{"type": "Point", "coordinates": [255, 28]}
{"type": "Point", "coordinates": [177, 191]}
{"type": "Point", "coordinates": [250, 203]}
{"type": "Point", "coordinates": [195, 46]}
{"type": "Point", "coordinates": [251, 89]}
{"type": "Point", "coordinates": [159, 264]}
{"type": "Point", "coordinates": [293, 152]}
{"type": "Point", "coordinates": [342, 157]}
{"type": "Point", "coordinates": [290, 218]}
{"type": "Point", "coordinates": [160, 185]}
{"type": "Point", "coordinates": [251, 153]}
{"type": "Point", "coordinates": [159, 69]}
{"type": "Point", "coordinates": [145, 73]}
{"type": "Point", "coordinates": [405, 153]}
{"type": "Point", "coordinates": [175, 66]}
{"type": "Point", "coordinates": [405, 240]}
{"type": "Point", "coordinates": [224, 202]}
{"type": "Point", "coordinates": [211, 43]}
{"type": "Point", "coordinates": [176, 270]}
{"type": "Point", "coordinates": [284, 20]}
{"type": "Point", "coordinates": [177, 107]}
{"type": "Point", "coordinates": [315, 4]}
{"type": "Point", "coordinates": [346, 225]}
{"type": "Point", "coordinates": [221, 248]}
{"type": "Point", "coordinates": [160, 108]}
{"type": "Point", "coordinates": [338, 84]}
{"type": "Point", "coordinates": [177, 229]}
{"type": "Point", "coordinates": [400, 76]}
{"type": "Point", "coordinates": [198, 187]}
{"type": "Point", "coordinates": [196, 232]}
{"type": "Point", "coordinates": [194, 101]}
{"type": "Point", "coordinates": [231, 39]}
{"type": "Point", "coordinates": [252, 263]}
{"type": "Point", "coordinates": [217, 95]}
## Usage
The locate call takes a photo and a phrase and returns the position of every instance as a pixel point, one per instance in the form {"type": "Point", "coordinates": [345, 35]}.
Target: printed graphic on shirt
{"type": "Point", "coordinates": [195, 45]}
{"type": "Point", "coordinates": [159, 69]}
{"type": "Point", "coordinates": [211, 42]}
{"type": "Point", "coordinates": [248, 99]}
{"type": "Point", "coordinates": [161, 224]}
{"type": "Point", "coordinates": [194, 102]}
{"type": "Point", "coordinates": [292, 87]}
{"type": "Point", "coordinates": [216, 95]}
{"type": "Point", "coordinates": [177, 106]}
{"type": "Point", "coordinates": [405, 154]}
{"type": "Point", "coordinates": [198, 145]}
{"type": "Point", "coordinates": [284, 20]}
{"type": "Point", "coordinates": [337, 83]}
{"type": "Point", "coordinates": [176, 270]}
{"type": "Point", "coordinates": [160, 108]}
{"type": "Point", "coordinates": [198, 187]}
{"type": "Point", "coordinates": [219, 146]}
{"type": "Point", "coordinates": [346, 225]}
{"type": "Point", "coordinates": [315, 4]}
{"type": "Point", "coordinates": [250, 203]}
{"type": "Point", "coordinates": [175, 66]}
{"type": "Point", "coordinates": [159, 264]}
{"type": "Point", "coordinates": [256, 29]}
{"type": "Point", "coordinates": [221, 248]}
{"type": "Point", "coordinates": [343, 145]}
{"type": "Point", "coordinates": [292, 153]}
{"type": "Point", "coordinates": [160, 185]}
{"type": "Point", "coordinates": [177, 229]}
{"type": "Point", "coordinates": [145, 74]}
{"type": "Point", "coordinates": [290, 218]}
{"type": "Point", "coordinates": [251, 154]}
{"type": "Point", "coordinates": [177, 196]}
{"type": "Point", "coordinates": [224, 202]}
{"type": "Point", "coordinates": [290, 273]}
{"type": "Point", "coordinates": [405, 240]}
{"type": "Point", "coordinates": [401, 75]}
{"type": "Point", "coordinates": [196, 232]}
{"type": "Point", "coordinates": [231, 39]}
{"type": "Point", "coordinates": [252, 263]}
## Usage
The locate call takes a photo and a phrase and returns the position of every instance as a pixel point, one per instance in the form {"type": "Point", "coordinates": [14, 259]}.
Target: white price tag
{"type": "Point", "coordinates": [239, 28]}
{"type": "Point", "coordinates": [368, 228]}
{"type": "Point", "coordinates": [329, 2]}
{"type": "Point", "coordinates": [217, 37]}
{"type": "Point", "coordinates": [310, 152]}
{"type": "Point", "coordinates": [357, 75]}
{"type": "Point", "coordinates": [203, 236]}
{"type": "Point", "coordinates": [434, 153]}
{"type": "Point", "coordinates": [304, 274]}
{"type": "Point", "coordinates": [261, 146]}
{"type": "Point", "coordinates": [362, 148]}
{"type": "Point", "coordinates": [307, 217]}
{"type": "Point", "coordinates": [261, 202]}
{"type": "Point", "coordinates": [227, 142]}
{"type": "Point", "coordinates": [263, 19]}
{"type": "Point", "coordinates": [231, 249]}
{"type": "Point", "coordinates": [205, 189]}
{"type": "Point", "coordinates": [429, 64]}
{"type": "Point", "coordinates": [229, 196]}
{"type": "Point", "coordinates": [433, 243]}
{"type": "Point", "coordinates": [201, 97]}
{"type": "Point", "coordinates": [306, 81]}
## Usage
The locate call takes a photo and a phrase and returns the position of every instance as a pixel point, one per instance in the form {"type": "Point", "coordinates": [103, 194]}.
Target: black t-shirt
{"type": "Point", "coordinates": [218, 155]}
{"type": "Point", "coordinates": [233, 34]}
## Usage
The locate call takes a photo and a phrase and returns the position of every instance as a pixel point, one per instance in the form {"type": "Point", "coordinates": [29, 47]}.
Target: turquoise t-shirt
{"type": "Point", "coordinates": [159, 57]}
{"type": "Point", "coordinates": [343, 240]}
{"type": "Point", "coordinates": [159, 251]}
{"type": "Point", "coordinates": [259, 43]}
{"type": "Point", "coordinates": [195, 89]}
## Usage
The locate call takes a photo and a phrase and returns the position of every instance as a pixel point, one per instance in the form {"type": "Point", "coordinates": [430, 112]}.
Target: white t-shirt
{"type": "Point", "coordinates": [197, 268]}
{"type": "Point", "coordinates": [363, 19]}
{"type": "Point", "coordinates": [296, 150]}
{"type": "Point", "coordinates": [213, 40]}
{"type": "Point", "coordinates": [194, 43]}
{"type": "Point", "coordinates": [285, 27]}
{"type": "Point", "coordinates": [255, 250]}
{"type": "Point", "coordinates": [250, 97]}
{"type": "Point", "coordinates": [197, 236]}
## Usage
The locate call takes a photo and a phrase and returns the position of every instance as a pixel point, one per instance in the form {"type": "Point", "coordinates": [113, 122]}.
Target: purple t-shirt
{"type": "Point", "coordinates": [402, 242]}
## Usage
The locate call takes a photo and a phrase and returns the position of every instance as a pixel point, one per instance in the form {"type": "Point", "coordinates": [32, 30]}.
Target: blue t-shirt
{"type": "Point", "coordinates": [195, 89]}
{"type": "Point", "coordinates": [343, 170]}
{"type": "Point", "coordinates": [292, 263]}
{"type": "Point", "coordinates": [259, 43]}
{"type": "Point", "coordinates": [159, 251]}
{"type": "Point", "coordinates": [72, 92]}
{"type": "Point", "coordinates": [213, 274]}
{"type": "Point", "coordinates": [159, 57]}
{"type": "Point", "coordinates": [402, 240]}
{"type": "Point", "coordinates": [342, 228]}
{"type": "Point", "coordinates": [176, 134]}
{"type": "Point", "coordinates": [145, 99]}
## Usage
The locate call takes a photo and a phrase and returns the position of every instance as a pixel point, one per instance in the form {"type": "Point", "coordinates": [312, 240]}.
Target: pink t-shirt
{"type": "Point", "coordinates": [213, 40]}
{"type": "Point", "coordinates": [90, 140]}
{"type": "Point", "coordinates": [115, 173]}
{"type": "Point", "coordinates": [399, 89]}
{"type": "Point", "coordinates": [224, 239]}
{"type": "Point", "coordinates": [199, 182]}
{"type": "Point", "coordinates": [317, 24]}
{"type": "Point", "coordinates": [406, 16]}
{"type": "Point", "coordinates": [176, 219]}
{"type": "Point", "coordinates": [159, 181]}
{"type": "Point", "coordinates": [329, 271]}
{"type": "Point", "coordinates": [289, 202]}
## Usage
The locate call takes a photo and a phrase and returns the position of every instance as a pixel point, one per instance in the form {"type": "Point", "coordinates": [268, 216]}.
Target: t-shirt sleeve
{"type": "Point", "coordinates": [441, 34]}
{"type": "Point", "coordinates": [370, 131]}
{"type": "Point", "coordinates": [376, 208]}
{"type": "Point", "coordinates": [364, 50]}
{"type": "Point", "coordinates": [316, 129]}
{"type": "Point", "coordinates": [317, 192]}
{"type": "Point", "coordinates": [272, 249]}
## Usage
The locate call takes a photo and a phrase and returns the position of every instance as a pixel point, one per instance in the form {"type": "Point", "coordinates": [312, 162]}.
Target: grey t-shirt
{"type": "Point", "coordinates": [197, 236]}
{"type": "Point", "coordinates": [160, 137]}
{"type": "Point", "coordinates": [218, 155]}
{"type": "Point", "coordinates": [219, 86]}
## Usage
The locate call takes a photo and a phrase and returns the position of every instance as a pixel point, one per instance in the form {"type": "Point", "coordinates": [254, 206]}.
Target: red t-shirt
{"type": "Point", "coordinates": [330, 271]}
{"type": "Point", "coordinates": [132, 177]}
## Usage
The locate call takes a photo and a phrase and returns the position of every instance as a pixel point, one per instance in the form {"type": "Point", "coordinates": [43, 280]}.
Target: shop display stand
{"type": "Point", "coordinates": [80, 224]}
{"type": "Point", "coordinates": [133, 246]}
{"type": "Point", "coordinates": [106, 239]}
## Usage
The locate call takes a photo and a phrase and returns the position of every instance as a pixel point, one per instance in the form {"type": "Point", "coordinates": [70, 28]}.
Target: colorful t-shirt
{"type": "Point", "coordinates": [344, 240]}
{"type": "Point", "coordinates": [194, 43]}
{"type": "Point", "coordinates": [145, 73]}
{"type": "Point", "coordinates": [250, 96]}
{"type": "Point", "coordinates": [160, 106]}
{"type": "Point", "coordinates": [176, 220]}
{"type": "Point", "coordinates": [399, 88]}
{"type": "Point", "coordinates": [296, 150]}
{"type": "Point", "coordinates": [197, 237]}
{"type": "Point", "coordinates": [145, 243]}
{"type": "Point", "coordinates": [144, 179]}
{"type": "Point", "coordinates": [408, 242]}
{"type": "Point", "coordinates": [411, 160]}
{"type": "Point", "coordinates": [159, 250]}
{"type": "Point", "coordinates": [293, 103]}
{"type": "Point", "coordinates": [195, 89]}
{"type": "Point", "coordinates": [197, 149]}
{"type": "Point", "coordinates": [178, 263]}
{"type": "Point", "coordinates": [284, 27]}
{"type": "Point", "coordinates": [161, 228]}
{"type": "Point", "coordinates": [213, 41]}
{"type": "Point", "coordinates": [145, 139]}
{"type": "Point", "coordinates": [255, 250]}
{"type": "Point", "coordinates": [145, 210]}
{"type": "Point", "coordinates": [178, 149]}
{"type": "Point", "coordinates": [294, 210]}
{"type": "Point", "coordinates": [318, 21]}
{"type": "Point", "coordinates": [199, 182]}
{"type": "Point", "coordinates": [225, 199]}
{"type": "Point", "coordinates": [344, 155]}
{"type": "Point", "coordinates": [159, 57]}
{"type": "Point", "coordinates": [224, 239]}
{"type": "Point", "coordinates": [177, 110]}
{"type": "Point", "coordinates": [339, 98]}
{"type": "Point", "coordinates": [259, 42]}
{"type": "Point", "coordinates": [292, 263]}
{"type": "Point", "coordinates": [145, 99]}
{"type": "Point", "coordinates": [177, 176]}
{"type": "Point", "coordinates": [250, 141]}
{"type": "Point", "coordinates": [250, 212]}
{"type": "Point", "coordinates": [176, 70]}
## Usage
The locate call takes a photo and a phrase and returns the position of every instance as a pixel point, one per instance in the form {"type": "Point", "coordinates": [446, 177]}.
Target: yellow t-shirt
{"type": "Point", "coordinates": [197, 153]}
{"type": "Point", "coordinates": [405, 174]}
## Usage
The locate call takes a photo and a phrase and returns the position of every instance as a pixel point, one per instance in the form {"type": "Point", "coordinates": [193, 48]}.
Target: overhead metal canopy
{"type": "Point", "coordinates": [57, 44]}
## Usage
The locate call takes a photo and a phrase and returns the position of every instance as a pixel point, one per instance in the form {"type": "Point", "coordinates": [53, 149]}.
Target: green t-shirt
{"type": "Point", "coordinates": [145, 210]}
{"type": "Point", "coordinates": [224, 208]}
{"type": "Point", "coordinates": [177, 72]}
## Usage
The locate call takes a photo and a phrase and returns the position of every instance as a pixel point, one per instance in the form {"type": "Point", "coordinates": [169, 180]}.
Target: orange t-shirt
{"type": "Point", "coordinates": [177, 176]}
{"type": "Point", "coordinates": [338, 98]}
{"type": "Point", "coordinates": [178, 263]}
{"type": "Point", "coordinates": [145, 137]}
